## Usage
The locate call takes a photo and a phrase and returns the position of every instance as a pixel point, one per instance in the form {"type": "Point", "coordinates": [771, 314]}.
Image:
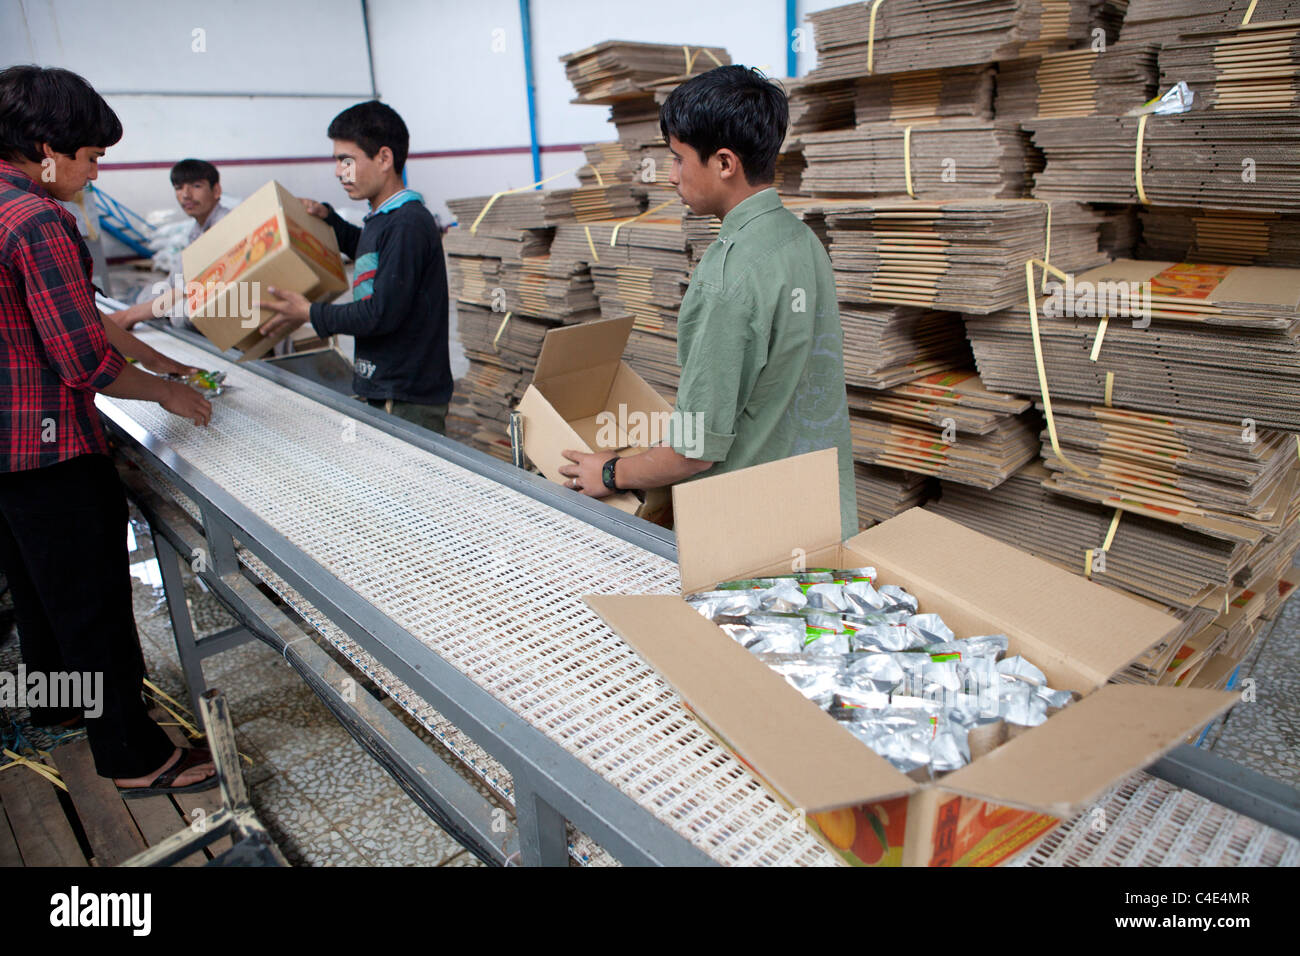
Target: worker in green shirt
{"type": "Point", "coordinates": [758, 334]}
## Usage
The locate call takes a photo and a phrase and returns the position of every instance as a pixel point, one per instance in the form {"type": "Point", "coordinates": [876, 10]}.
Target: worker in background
{"type": "Point", "coordinates": [398, 312]}
{"type": "Point", "coordinates": [758, 334]}
{"type": "Point", "coordinates": [198, 192]}
{"type": "Point", "coordinates": [62, 509]}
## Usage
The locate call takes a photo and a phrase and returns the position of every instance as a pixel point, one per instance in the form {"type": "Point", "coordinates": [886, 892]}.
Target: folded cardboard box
{"type": "Point", "coordinates": [585, 397]}
{"type": "Point", "coordinates": [783, 515]}
{"type": "Point", "coordinates": [267, 240]}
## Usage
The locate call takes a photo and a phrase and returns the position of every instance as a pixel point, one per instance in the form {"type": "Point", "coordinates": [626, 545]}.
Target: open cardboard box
{"type": "Point", "coordinates": [580, 379]}
{"type": "Point", "coordinates": [269, 239]}
{"type": "Point", "coordinates": [771, 517]}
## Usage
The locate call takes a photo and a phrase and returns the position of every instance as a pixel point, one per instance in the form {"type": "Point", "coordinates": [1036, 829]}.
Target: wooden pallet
{"type": "Point", "coordinates": [92, 825]}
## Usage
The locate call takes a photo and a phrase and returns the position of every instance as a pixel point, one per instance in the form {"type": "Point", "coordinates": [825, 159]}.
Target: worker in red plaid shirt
{"type": "Point", "coordinates": [62, 508]}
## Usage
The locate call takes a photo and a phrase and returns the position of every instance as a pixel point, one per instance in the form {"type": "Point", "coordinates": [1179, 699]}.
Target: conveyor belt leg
{"type": "Point", "coordinates": [543, 836]}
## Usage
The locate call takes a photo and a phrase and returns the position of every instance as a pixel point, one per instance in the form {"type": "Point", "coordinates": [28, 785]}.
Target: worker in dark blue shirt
{"type": "Point", "coordinates": [398, 312]}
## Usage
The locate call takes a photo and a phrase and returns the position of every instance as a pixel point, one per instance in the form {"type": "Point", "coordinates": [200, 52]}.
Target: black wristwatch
{"type": "Point", "coordinates": [607, 474]}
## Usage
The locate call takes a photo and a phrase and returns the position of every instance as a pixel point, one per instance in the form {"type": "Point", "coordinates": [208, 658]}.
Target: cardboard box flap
{"type": "Point", "coordinates": [1045, 610]}
{"type": "Point", "coordinates": [579, 348]}
{"type": "Point", "coordinates": [731, 525]}
{"type": "Point", "coordinates": [809, 761]}
{"type": "Point", "coordinates": [1060, 766]}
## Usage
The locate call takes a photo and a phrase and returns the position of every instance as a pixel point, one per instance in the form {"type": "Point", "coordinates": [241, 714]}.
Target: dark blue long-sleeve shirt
{"type": "Point", "coordinates": [399, 310]}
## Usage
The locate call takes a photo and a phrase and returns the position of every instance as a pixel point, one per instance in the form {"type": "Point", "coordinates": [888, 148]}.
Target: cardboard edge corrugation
{"type": "Point", "coordinates": [1055, 768]}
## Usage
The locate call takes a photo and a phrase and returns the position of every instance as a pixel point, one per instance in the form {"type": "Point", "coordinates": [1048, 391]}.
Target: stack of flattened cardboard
{"type": "Point", "coordinates": [542, 208]}
{"type": "Point", "coordinates": [1225, 480]}
{"type": "Point", "coordinates": [816, 107]}
{"type": "Point", "coordinates": [957, 158]}
{"type": "Point", "coordinates": [1078, 82]}
{"type": "Point", "coordinates": [926, 96]}
{"type": "Point", "coordinates": [1256, 67]}
{"type": "Point", "coordinates": [1156, 559]}
{"type": "Point", "coordinates": [1223, 342]}
{"type": "Point", "coordinates": [1218, 588]}
{"type": "Point", "coordinates": [893, 429]}
{"type": "Point", "coordinates": [955, 400]}
{"type": "Point", "coordinates": [966, 255]}
{"type": "Point", "coordinates": [1165, 21]}
{"type": "Point", "coordinates": [619, 69]}
{"type": "Point", "coordinates": [1206, 235]}
{"type": "Point", "coordinates": [906, 35]}
{"type": "Point", "coordinates": [885, 492]}
{"type": "Point", "coordinates": [1229, 159]}
{"type": "Point", "coordinates": [888, 345]}
{"type": "Point", "coordinates": [605, 161]}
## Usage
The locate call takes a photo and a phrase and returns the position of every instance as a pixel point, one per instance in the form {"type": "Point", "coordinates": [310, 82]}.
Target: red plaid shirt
{"type": "Point", "coordinates": [54, 354]}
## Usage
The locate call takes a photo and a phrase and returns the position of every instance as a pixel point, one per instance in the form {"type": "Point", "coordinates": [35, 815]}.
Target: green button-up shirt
{"type": "Point", "coordinates": [761, 349]}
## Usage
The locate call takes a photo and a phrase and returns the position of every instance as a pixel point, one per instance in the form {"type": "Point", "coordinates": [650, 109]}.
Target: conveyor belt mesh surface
{"type": "Point", "coordinates": [403, 527]}
{"type": "Point", "coordinates": [491, 581]}
{"type": "Point", "coordinates": [1150, 822]}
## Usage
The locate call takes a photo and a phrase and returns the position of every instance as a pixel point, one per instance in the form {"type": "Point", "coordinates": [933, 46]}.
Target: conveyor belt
{"type": "Point", "coordinates": [491, 580]}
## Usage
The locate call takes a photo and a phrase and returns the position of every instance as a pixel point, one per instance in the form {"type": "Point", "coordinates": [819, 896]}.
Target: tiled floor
{"type": "Point", "coordinates": [1264, 733]}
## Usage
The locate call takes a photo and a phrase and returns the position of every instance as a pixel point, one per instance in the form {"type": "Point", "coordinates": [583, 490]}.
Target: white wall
{"type": "Point", "coordinates": [452, 68]}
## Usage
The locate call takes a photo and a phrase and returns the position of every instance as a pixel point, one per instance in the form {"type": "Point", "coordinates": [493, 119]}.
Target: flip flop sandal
{"type": "Point", "coordinates": [162, 784]}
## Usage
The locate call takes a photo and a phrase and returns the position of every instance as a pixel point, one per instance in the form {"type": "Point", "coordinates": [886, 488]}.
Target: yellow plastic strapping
{"type": "Point", "coordinates": [1105, 545]}
{"type": "Point", "coordinates": [599, 181]}
{"type": "Point", "coordinates": [1110, 386]}
{"type": "Point", "coordinates": [49, 773]}
{"type": "Point", "coordinates": [1038, 358]}
{"type": "Point", "coordinates": [1047, 238]}
{"type": "Point", "coordinates": [1250, 12]}
{"type": "Point", "coordinates": [690, 57]}
{"type": "Point", "coordinates": [506, 192]}
{"type": "Point", "coordinates": [1297, 446]}
{"type": "Point", "coordinates": [1101, 334]}
{"type": "Point", "coordinates": [1137, 159]}
{"type": "Point", "coordinates": [591, 245]}
{"type": "Point", "coordinates": [497, 338]}
{"type": "Point", "coordinates": [613, 236]}
{"type": "Point", "coordinates": [871, 36]}
{"type": "Point", "coordinates": [907, 159]}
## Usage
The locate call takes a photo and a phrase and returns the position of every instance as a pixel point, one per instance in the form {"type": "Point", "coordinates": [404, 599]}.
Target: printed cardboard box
{"type": "Point", "coordinates": [267, 240]}
{"type": "Point", "coordinates": [763, 520]}
{"type": "Point", "coordinates": [585, 397]}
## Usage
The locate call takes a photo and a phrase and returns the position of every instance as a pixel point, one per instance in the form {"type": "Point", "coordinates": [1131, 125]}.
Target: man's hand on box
{"type": "Point", "coordinates": [288, 310]}
{"type": "Point", "coordinates": [584, 473]}
{"type": "Point", "coordinates": [314, 208]}
{"type": "Point", "coordinates": [185, 402]}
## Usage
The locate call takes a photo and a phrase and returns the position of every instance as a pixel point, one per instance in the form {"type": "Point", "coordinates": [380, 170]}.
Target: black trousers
{"type": "Point", "coordinates": [63, 550]}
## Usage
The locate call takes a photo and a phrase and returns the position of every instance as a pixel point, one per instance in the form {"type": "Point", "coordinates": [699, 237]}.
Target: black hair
{"type": "Point", "coordinates": [733, 107]}
{"type": "Point", "coordinates": [193, 171]}
{"type": "Point", "coordinates": [39, 105]}
{"type": "Point", "coordinates": [373, 125]}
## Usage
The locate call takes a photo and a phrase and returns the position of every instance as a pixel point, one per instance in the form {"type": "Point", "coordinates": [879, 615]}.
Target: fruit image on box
{"type": "Point", "coordinates": [267, 240]}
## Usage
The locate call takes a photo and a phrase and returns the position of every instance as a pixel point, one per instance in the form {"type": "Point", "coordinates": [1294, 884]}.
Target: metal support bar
{"type": "Point", "coordinates": [220, 550]}
{"type": "Point", "coordinates": [1231, 785]}
{"type": "Point", "coordinates": [225, 640]}
{"type": "Point", "coordinates": [543, 839]}
{"type": "Point", "coordinates": [179, 612]}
